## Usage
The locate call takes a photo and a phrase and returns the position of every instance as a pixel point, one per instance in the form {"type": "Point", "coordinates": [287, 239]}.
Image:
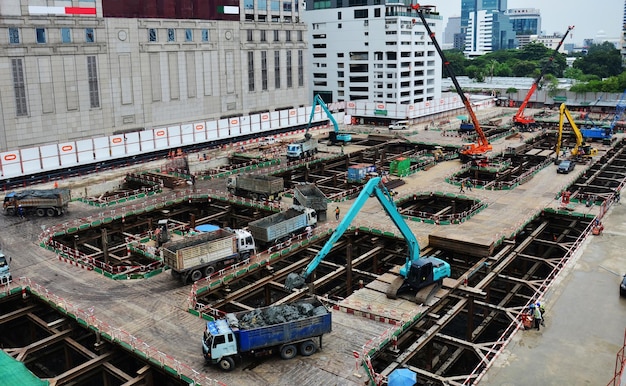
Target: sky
{"type": "Point", "coordinates": [588, 17]}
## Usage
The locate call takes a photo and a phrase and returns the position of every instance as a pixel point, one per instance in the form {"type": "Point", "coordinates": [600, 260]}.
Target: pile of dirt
{"type": "Point", "coordinates": [275, 315]}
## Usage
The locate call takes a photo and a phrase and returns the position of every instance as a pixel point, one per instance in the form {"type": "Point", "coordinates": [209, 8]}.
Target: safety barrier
{"type": "Point", "coordinates": [133, 344]}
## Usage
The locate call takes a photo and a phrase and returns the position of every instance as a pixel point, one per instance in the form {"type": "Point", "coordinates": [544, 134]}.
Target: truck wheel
{"type": "Point", "coordinates": [254, 196]}
{"type": "Point", "coordinates": [288, 351]}
{"type": "Point", "coordinates": [263, 197]}
{"type": "Point", "coordinates": [307, 348]}
{"type": "Point", "coordinates": [10, 212]}
{"type": "Point", "coordinates": [227, 364]}
{"type": "Point", "coordinates": [41, 212]}
{"type": "Point", "coordinates": [196, 275]}
{"type": "Point", "coordinates": [51, 212]}
{"type": "Point", "coordinates": [245, 256]}
{"type": "Point", "coordinates": [208, 271]}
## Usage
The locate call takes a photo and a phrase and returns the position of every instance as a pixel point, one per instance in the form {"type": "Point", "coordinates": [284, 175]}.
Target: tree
{"type": "Point", "coordinates": [457, 61]}
{"type": "Point", "coordinates": [523, 68]}
{"type": "Point", "coordinates": [603, 60]}
{"type": "Point", "coordinates": [552, 84]}
{"type": "Point", "coordinates": [534, 51]}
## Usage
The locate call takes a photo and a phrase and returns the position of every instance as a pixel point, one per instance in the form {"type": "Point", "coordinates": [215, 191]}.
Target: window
{"type": "Point", "coordinates": [263, 70]}
{"type": "Point", "coordinates": [250, 70]}
{"type": "Point", "coordinates": [171, 35]}
{"type": "Point", "coordinates": [89, 36]}
{"type": "Point", "coordinates": [360, 13]}
{"type": "Point", "coordinates": [14, 35]}
{"type": "Point", "coordinates": [19, 87]}
{"type": "Point", "coordinates": [287, 36]}
{"type": "Point", "coordinates": [41, 35]}
{"type": "Point", "coordinates": [276, 35]}
{"type": "Point", "coordinates": [277, 69]}
{"type": "Point", "coordinates": [339, 26]}
{"type": "Point", "coordinates": [300, 69]}
{"type": "Point", "coordinates": [205, 35]}
{"type": "Point", "coordinates": [152, 35]}
{"type": "Point", "coordinates": [189, 35]}
{"type": "Point", "coordinates": [249, 34]}
{"type": "Point", "coordinates": [338, 15]}
{"type": "Point", "coordinates": [263, 38]}
{"type": "Point", "coordinates": [66, 35]}
{"type": "Point", "coordinates": [92, 78]}
{"type": "Point", "coordinates": [289, 71]}
{"type": "Point", "coordinates": [300, 36]}
{"type": "Point", "coordinates": [377, 12]}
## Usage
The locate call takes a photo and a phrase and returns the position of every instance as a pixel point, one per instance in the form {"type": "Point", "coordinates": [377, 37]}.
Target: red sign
{"type": "Point", "coordinates": [116, 140]}
{"type": "Point", "coordinates": [10, 157]}
{"type": "Point", "coordinates": [67, 148]}
{"type": "Point", "coordinates": [199, 127]}
{"type": "Point", "coordinates": [160, 133]}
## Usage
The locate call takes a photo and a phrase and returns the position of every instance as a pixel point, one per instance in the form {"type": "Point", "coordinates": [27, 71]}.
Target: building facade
{"type": "Point", "coordinates": [375, 51]}
{"type": "Point", "coordinates": [100, 67]}
{"type": "Point", "coordinates": [488, 31]}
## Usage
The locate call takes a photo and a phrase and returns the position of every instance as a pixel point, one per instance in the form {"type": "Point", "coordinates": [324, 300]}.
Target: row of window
{"type": "Point", "coordinates": [277, 70]}
{"type": "Point", "coordinates": [41, 35]}
{"type": "Point", "coordinates": [20, 87]}
{"type": "Point", "coordinates": [171, 35]}
{"type": "Point", "coordinates": [276, 35]}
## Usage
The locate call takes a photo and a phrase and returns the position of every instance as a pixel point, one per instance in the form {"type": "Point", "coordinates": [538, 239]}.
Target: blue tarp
{"type": "Point", "coordinates": [402, 377]}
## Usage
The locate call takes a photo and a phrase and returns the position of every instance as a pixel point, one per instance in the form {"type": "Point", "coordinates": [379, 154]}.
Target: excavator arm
{"type": "Point", "coordinates": [581, 149]}
{"type": "Point", "coordinates": [373, 187]}
{"type": "Point", "coordinates": [482, 146]}
{"type": "Point", "coordinates": [343, 137]}
{"type": "Point", "coordinates": [519, 118]}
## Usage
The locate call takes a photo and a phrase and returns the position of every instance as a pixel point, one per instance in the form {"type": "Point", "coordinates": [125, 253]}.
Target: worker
{"type": "Point", "coordinates": [537, 317]}
{"type": "Point", "coordinates": [337, 211]}
{"type": "Point", "coordinates": [462, 189]}
{"type": "Point", "coordinates": [542, 308]}
{"type": "Point", "coordinates": [309, 231]}
{"type": "Point", "coordinates": [20, 211]}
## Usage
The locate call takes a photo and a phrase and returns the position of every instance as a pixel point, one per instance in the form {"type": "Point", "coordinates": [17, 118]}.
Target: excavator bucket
{"type": "Point", "coordinates": [294, 281]}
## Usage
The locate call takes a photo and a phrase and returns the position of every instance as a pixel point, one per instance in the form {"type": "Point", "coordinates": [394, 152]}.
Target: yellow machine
{"type": "Point", "coordinates": [581, 149]}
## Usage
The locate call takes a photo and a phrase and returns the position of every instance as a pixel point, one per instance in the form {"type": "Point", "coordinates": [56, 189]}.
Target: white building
{"type": "Point", "coordinates": [375, 52]}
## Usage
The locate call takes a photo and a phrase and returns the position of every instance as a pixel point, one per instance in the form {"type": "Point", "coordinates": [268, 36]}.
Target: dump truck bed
{"type": "Point", "coordinates": [278, 225]}
{"type": "Point", "coordinates": [199, 250]}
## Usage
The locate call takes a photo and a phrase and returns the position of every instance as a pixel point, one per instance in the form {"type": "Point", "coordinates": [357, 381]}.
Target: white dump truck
{"type": "Point", "coordinates": [200, 255]}
{"type": "Point", "coordinates": [256, 186]}
{"type": "Point", "coordinates": [303, 148]}
{"type": "Point", "coordinates": [283, 225]}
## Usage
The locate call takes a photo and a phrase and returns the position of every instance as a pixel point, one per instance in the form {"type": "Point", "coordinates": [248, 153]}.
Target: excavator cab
{"type": "Point", "coordinates": [424, 275]}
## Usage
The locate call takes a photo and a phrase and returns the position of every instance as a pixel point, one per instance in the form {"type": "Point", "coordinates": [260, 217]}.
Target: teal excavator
{"type": "Point", "coordinates": [335, 136]}
{"type": "Point", "coordinates": [421, 275]}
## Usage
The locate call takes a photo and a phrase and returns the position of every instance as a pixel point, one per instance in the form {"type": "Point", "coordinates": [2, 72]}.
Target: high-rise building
{"type": "Point", "coordinates": [623, 36]}
{"type": "Point", "coordinates": [526, 22]}
{"type": "Point", "coordinates": [77, 68]}
{"type": "Point", "coordinates": [453, 28]}
{"type": "Point", "coordinates": [485, 26]}
{"type": "Point", "coordinates": [372, 50]}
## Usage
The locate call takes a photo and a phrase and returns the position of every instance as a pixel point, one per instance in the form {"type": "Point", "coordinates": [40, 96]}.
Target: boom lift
{"type": "Point", "coordinates": [528, 122]}
{"type": "Point", "coordinates": [471, 150]}
{"type": "Point", "coordinates": [334, 136]}
{"type": "Point", "coordinates": [581, 149]}
{"type": "Point", "coordinates": [424, 274]}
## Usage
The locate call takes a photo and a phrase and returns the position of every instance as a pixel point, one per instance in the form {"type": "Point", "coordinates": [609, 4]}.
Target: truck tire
{"type": "Point", "coordinates": [41, 212]}
{"type": "Point", "coordinates": [245, 256]}
{"type": "Point", "coordinates": [288, 351]}
{"type": "Point", "coordinates": [263, 197]}
{"type": "Point", "coordinates": [254, 196]}
{"type": "Point", "coordinates": [307, 348]}
{"type": "Point", "coordinates": [196, 275]}
{"type": "Point", "coordinates": [10, 212]}
{"type": "Point", "coordinates": [226, 364]}
{"type": "Point", "coordinates": [208, 271]}
{"type": "Point", "coordinates": [50, 212]}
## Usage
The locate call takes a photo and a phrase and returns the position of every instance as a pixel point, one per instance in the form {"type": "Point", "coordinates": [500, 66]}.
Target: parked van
{"type": "Point", "coordinates": [400, 125]}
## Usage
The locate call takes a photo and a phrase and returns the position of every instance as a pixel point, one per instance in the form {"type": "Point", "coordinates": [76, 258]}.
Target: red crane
{"type": "Point", "coordinates": [528, 122]}
{"type": "Point", "coordinates": [482, 145]}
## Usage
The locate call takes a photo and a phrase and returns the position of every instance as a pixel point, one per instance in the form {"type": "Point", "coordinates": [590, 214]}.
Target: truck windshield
{"type": "Point", "coordinates": [3, 262]}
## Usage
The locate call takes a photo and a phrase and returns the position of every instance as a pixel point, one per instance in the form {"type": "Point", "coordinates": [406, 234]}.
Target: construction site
{"type": "Point", "coordinates": [99, 297]}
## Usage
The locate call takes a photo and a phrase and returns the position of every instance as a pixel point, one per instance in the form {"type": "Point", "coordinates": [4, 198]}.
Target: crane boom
{"type": "Point", "coordinates": [482, 145]}
{"type": "Point", "coordinates": [338, 137]}
{"type": "Point", "coordinates": [376, 188]}
{"type": "Point", "coordinates": [519, 119]}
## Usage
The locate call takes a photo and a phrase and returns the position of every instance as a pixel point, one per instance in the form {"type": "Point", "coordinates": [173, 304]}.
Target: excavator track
{"type": "Point", "coordinates": [423, 295]}
{"type": "Point", "coordinates": [392, 291]}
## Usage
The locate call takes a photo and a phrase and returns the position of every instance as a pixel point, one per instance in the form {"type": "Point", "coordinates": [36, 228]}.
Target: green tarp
{"type": "Point", "coordinates": [14, 373]}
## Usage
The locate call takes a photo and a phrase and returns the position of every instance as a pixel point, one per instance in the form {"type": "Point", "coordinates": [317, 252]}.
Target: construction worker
{"type": "Point", "coordinates": [337, 212]}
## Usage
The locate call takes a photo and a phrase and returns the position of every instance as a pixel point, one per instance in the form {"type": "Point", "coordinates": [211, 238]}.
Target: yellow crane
{"type": "Point", "coordinates": [581, 149]}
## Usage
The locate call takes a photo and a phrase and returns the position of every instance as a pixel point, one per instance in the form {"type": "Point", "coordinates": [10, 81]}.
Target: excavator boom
{"type": "Point", "coordinates": [376, 188]}
{"type": "Point", "coordinates": [519, 118]}
{"type": "Point", "coordinates": [580, 149]}
{"type": "Point", "coordinates": [482, 146]}
{"type": "Point", "coordinates": [339, 137]}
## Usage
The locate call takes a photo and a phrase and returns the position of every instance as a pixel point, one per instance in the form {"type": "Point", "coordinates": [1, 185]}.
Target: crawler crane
{"type": "Point", "coordinates": [470, 150]}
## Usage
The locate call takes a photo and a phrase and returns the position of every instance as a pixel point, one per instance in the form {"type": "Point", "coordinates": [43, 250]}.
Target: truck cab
{"type": "Point", "coordinates": [245, 243]}
{"type": "Point", "coordinates": [219, 344]}
{"type": "Point", "coordinates": [5, 273]}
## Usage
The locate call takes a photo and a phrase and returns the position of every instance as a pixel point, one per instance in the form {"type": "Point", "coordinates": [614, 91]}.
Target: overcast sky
{"type": "Point", "coordinates": [588, 17]}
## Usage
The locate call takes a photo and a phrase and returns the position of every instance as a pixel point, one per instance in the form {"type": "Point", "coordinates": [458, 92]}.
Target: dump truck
{"type": "Point", "coordinates": [200, 255]}
{"type": "Point", "coordinates": [286, 329]}
{"type": "Point", "coordinates": [281, 226]}
{"type": "Point", "coordinates": [256, 186]}
{"type": "Point", "coordinates": [43, 202]}
{"type": "Point", "coordinates": [5, 272]}
{"type": "Point", "coordinates": [310, 196]}
{"type": "Point", "coordinates": [303, 148]}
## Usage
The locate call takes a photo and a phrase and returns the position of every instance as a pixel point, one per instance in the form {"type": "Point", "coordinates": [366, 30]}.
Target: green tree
{"type": "Point", "coordinates": [457, 61]}
{"type": "Point", "coordinates": [523, 68]}
{"type": "Point", "coordinates": [603, 60]}
{"type": "Point", "coordinates": [552, 84]}
{"type": "Point", "coordinates": [534, 51]}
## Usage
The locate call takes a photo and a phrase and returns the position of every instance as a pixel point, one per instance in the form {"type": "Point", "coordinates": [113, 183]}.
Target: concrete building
{"type": "Point", "coordinates": [452, 32]}
{"type": "Point", "coordinates": [526, 22]}
{"type": "Point", "coordinates": [377, 51]}
{"type": "Point", "coordinates": [77, 68]}
{"type": "Point", "coordinates": [488, 31]}
{"type": "Point", "coordinates": [550, 41]}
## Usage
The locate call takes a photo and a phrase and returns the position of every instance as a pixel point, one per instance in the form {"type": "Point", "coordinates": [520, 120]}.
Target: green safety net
{"type": "Point", "coordinates": [14, 372]}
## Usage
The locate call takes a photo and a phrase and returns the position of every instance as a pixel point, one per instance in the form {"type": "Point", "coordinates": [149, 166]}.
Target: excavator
{"type": "Point", "coordinates": [527, 123]}
{"type": "Point", "coordinates": [471, 150]}
{"type": "Point", "coordinates": [581, 149]}
{"type": "Point", "coordinates": [335, 136]}
{"type": "Point", "coordinates": [422, 275]}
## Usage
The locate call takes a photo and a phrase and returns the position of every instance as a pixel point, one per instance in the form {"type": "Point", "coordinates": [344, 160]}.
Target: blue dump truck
{"type": "Point", "coordinates": [286, 329]}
